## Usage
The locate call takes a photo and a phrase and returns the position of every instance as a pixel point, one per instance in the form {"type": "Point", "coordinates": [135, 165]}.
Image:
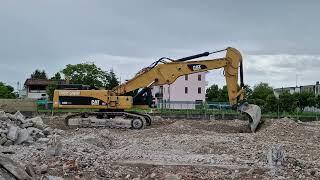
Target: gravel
{"type": "Point", "coordinates": [177, 149]}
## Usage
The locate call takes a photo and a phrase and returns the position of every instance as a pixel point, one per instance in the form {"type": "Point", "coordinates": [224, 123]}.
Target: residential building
{"type": "Point", "coordinates": [307, 88]}
{"type": "Point", "coordinates": [184, 93]}
{"type": "Point", "coordinates": [291, 90]}
{"type": "Point", "coordinates": [37, 88]}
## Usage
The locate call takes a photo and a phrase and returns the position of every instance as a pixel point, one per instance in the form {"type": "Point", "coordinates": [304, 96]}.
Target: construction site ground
{"type": "Point", "coordinates": [179, 149]}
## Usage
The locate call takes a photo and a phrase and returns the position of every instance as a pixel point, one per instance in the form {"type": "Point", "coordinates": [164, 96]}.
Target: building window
{"type": "Point", "coordinates": [186, 90]}
{"type": "Point", "coordinates": [199, 77]}
{"type": "Point", "coordinates": [199, 90]}
{"type": "Point", "coordinates": [186, 77]}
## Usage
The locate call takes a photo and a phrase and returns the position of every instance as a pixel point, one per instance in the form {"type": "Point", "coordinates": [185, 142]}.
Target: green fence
{"type": "Point", "coordinates": [188, 109]}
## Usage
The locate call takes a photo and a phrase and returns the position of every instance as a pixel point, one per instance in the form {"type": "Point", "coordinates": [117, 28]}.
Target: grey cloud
{"type": "Point", "coordinates": [50, 34]}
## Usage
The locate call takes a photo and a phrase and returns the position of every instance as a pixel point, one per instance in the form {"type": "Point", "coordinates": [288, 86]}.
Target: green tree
{"type": "Point", "coordinates": [223, 94]}
{"type": "Point", "coordinates": [38, 74]}
{"type": "Point", "coordinates": [261, 91]}
{"type": "Point", "coordinates": [6, 91]}
{"type": "Point", "coordinates": [305, 99]}
{"type": "Point", "coordinates": [212, 93]}
{"type": "Point", "coordinates": [248, 91]}
{"type": "Point", "coordinates": [112, 80]}
{"type": "Point", "coordinates": [50, 90]}
{"type": "Point", "coordinates": [86, 74]}
{"type": "Point", "coordinates": [56, 76]}
{"type": "Point", "coordinates": [52, 87]}
{"type": "Point", "coordinates": [271, 104]}
{"type": "Point", "coordinates": [318, 101]}
{"type": "Point", "coordinates": [288, 102]}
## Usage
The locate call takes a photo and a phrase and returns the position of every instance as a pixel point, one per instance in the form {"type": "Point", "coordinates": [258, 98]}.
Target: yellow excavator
{"type": "Point", "coordinates": [111, 104]}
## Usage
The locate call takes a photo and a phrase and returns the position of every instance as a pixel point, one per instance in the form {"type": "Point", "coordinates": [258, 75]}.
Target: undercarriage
{"type": "Point", "coordinates": [121, 120]}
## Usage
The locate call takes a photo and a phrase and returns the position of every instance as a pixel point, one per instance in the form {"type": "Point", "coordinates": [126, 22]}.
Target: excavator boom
{"type": "Point", "coordinates": [168, 72]}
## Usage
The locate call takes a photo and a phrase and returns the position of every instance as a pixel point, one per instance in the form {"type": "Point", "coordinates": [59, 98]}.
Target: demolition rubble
{"type": "Point", "coordinates": [169, 149]}
{"type": "Point", "coordinates": [15, 129]}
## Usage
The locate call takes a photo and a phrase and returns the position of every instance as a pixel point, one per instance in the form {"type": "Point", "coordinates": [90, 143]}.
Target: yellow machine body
{"type": "Point", "coordinates": [90, 99]}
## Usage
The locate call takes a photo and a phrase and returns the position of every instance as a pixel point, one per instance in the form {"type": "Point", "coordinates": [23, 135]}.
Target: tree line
{"type": "Point", "coordinates": [262, 95]}
{"type": "Point", "coordinates": [89, 74]}
{"type": "Point", "coordinates": [84, 73]}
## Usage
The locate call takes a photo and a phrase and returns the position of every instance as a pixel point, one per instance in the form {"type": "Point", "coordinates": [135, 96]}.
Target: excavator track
{"type": "Point", "coordinates": [120, 120]}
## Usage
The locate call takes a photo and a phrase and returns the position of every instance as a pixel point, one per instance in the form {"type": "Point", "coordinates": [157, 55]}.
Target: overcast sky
{"type": "Point", "coordinates": [279, 40]}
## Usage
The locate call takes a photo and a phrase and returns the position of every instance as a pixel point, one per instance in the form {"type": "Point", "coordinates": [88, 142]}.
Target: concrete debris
{"type": "Point", "coordinates": [14, 168]}
{"type": "Point", "coordinates": [53, 178]}
{"type": "Point", "coordinates": [3, 140]}
{"type": "Point", "coordinates": [173, 149]}
{"type": "Point", "coordinates": [8, 143]}
{"type": "Point", "coordinates": [3, 115]}
{"type": "Point", "coordinates": [23, 136]}
{"type": "Point", "coordinates": [171, 177]}
{"type": "Point", "coordinates": [47, 131]}
{"type": "Point", "coordinates": [19, 117]}
{"type": "Point", "coordinates": [30, 170]}
{"type": "Point", "coordinates": [38, 123]}
{"type": "Point", "coordinates": [275, 155]}
{"type": "Point", "coordinates": [43, 140]}
{"type": "Point", "coordinates": [13, 133]}
{"type": "Point", "coordinates": [27, 124]}
{"type": "Point", "coordinates": [4, 175]}
{"type": "Point", "coordinates": [70, 165]}
{"type": "Point", "coordinates": [16, 129]}
{"type": "Point", "coordinates": [54, 146]}
{"type": "Point", "coordinates": [42, 169]}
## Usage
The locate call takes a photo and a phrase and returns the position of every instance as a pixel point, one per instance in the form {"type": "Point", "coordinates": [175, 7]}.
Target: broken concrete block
{"type": "Point", "coordinates": [54, 147]}
{"type": "Point", "coordinates": [3, 140]}
{"type": "Point", "coordinates": [33, 131]}
{"type": "Point", "coordinates": [23, 136]}
{"type": "Point", "coordinates": [58, 131]}
{"type": "Point", "coordinates": [11, 116]}
{"type": "Point", "coordinates": [3, 115]}
{"type": "Point", "coordinates": [20, 117]}
{"type": "Point", "coordinates": [37, 122]}
{"type": "Point", "coordinates": [40, 135]}
{"type": "Point", "coordinates": [54, 150]}
{"type": "Point", "coordinates": [43, 140]}
{"type": "Point", "coordinates": [14, 168]}
{"type": "Point", "coordinates": [8, 143]}
{"type": "Point", "coordinates": [30, 170]}
{"type": "Point", "coordinates": [54, 178]}
{"type": "Point", "coordinates": [47, 131]}
{"type": "Point", "coordinates": [4, 131]}
{"type": "Point", "coordinates": [12, 133]}
{"type": "Point", "coordinates": [30, 140]}
{"type": "Point", "coordinates": [27, 124]}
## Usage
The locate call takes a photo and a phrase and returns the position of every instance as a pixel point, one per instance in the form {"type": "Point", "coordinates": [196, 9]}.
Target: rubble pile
{"type": "Point", "coordinates": [16, 129]}
{"type": "Point", "coordinates": [169, 149]}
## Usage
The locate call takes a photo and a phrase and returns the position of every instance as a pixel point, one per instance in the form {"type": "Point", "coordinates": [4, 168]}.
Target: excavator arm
{"type": "Point", "coordinates": [162, 72]}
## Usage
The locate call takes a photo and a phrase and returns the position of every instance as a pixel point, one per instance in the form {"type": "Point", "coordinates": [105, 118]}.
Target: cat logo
{"type": "Point", "coordinates": [196, 67]}
{"type": "Point", "coordinates": [95, 102]}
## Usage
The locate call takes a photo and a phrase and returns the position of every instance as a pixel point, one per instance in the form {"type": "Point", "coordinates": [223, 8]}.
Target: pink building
{"type": "Point", "coordinates": [184, 93]}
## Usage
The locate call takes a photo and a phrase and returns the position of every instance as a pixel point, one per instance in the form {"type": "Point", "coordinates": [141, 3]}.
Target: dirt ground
{"type": "Point", "coordinates": [181, 149]}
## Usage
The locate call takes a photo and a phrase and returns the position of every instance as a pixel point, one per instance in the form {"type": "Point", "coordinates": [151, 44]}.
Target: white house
{"type": "Point", "coordinates": [37, 88]}
{"type": "Point", "coordinates": [184, 93]}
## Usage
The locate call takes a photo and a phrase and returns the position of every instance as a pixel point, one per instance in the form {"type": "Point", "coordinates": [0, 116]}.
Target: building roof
{"type": "Point", "coordinates": [283, 88]}
{"type": "Point", "coordinates": [44, 82]}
